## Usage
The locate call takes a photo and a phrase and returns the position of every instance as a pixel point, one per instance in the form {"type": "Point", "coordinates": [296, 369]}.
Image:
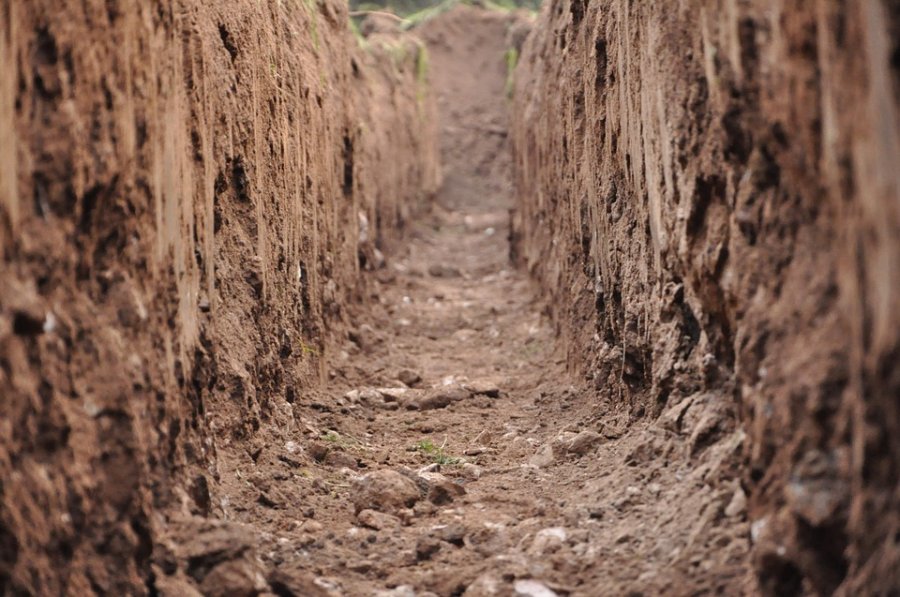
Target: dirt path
{"type": "Point", "coordinates": [538, 486]}
{"type": "Point", "coordinates": [452, 453]}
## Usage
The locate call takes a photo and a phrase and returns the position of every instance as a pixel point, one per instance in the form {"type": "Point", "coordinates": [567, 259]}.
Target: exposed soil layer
{"type": "Point", "coordinates": [189, 190]}
{"type": "Point", "coordinates": [243, 352]}
{"type": "Point", "coordinates": [450, 453]}
{"type": "Point", "coordinates": [709, 197]}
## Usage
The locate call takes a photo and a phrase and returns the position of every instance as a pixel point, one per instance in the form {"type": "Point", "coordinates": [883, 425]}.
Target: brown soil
{"type": "Point", "coordinates": [255, 340]}
{"type": "Point", "coordinates": [631, 506]}
{"type": "Point", "coordinates": [708, 195]}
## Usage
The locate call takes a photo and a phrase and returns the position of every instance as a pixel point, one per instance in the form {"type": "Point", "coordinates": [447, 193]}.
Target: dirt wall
{"type": "Point", "coordinates": [709, 192]}
{"type": "Point", "coordinates": [187, 193]}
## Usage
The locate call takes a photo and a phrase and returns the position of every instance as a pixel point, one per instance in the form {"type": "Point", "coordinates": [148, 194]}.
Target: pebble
{"type": "Point", "coordinates": [392, 394]}
{"type": "Point", "coordinates": [583, 442]}
{"type": "Point", "coordinates": [471, 471]}
{"type": "Point", "coordinates": [441, 397]}
{"type": "Point", "coordinates": [440, 270]}
{"type": "Point", "coordinates": [533, 588]}
{"type": "Point", "coordinates": [548, 540]}
{"type": "Point", "coordinates": [409, 377]}
{"type": "Point", "coordinates": [384, 491]}
{"type": "Point", "coordinates": [483, 387]}
{"type": "Point", "coordinates": [401, 591]}
{"type": "Point", "coordinates": [440, 489]}
{"type": "Point", "coordinates": [377, 520]}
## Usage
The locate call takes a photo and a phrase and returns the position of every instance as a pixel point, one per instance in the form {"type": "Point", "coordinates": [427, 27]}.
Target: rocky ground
{"type": "Point", "coordinates": [452, 454]}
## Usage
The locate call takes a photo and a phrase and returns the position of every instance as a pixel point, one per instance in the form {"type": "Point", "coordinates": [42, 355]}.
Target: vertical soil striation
{"type": "Point", "coordinates": [261, 334]}
{"type": "Point", "coordinates": [709, 194]}
{"type": "Point", "coordinates": [183, 193]}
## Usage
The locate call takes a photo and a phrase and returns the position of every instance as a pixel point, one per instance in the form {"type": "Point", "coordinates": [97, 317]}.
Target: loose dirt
{"type": "Point", "coordinates": [549, 486]}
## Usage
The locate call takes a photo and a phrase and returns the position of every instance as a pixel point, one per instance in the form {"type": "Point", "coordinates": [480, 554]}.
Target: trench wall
{"type": "Point", "coordinates": [708, 191]}
{"type": "Point", "coordinates": [188, 191]}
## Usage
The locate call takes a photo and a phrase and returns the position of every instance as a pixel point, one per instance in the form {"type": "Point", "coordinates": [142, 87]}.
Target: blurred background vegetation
{"type": "Point", "coordinates": [419, 8]}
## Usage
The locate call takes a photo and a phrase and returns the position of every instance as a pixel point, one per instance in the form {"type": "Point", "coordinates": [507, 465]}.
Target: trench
{"type": "Point", "coordinates": [594, 301]}
{"type": "Point", "coordinates": [454, 453]}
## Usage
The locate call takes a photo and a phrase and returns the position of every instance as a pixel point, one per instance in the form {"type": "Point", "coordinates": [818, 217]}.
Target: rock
{"type": "Point", "coordinates": [440, 270]}
{"type": "Point", "coordinates": [486, 585]}
{"type": "Point", "coordinates": [365, 337]}
{"type": "Point", "coordinates": [293, 581]}
{"type": "Point", "coordinates": [426, 547]}
{"type": "Point", "coordinates": [738, 504]}
{"type": "Point", "coordinates": [378, 520]}
{"type": "Point", "coordinates": [451, 533]}
{"type": "Point", "coordinates": [583, 442]}
{"type": "Point", "coordinates": [442, 397]}
{"type": "Point", "coordinates": [384, 491]}
{"type": "Point", "coordinates": [339, 458]}
{"type": "Point", "coordinates": [471, 471]}
{"type": "Point", "coordinates": [483, 387]}
{"type": "Point", "coordinates": [401, 591]}
{"type": "Point", "coordinates": [488, 540]}
{"type": "Point", "coordinates": [532, 588]}
{"type": "Point", "coordinates": [174, 586]}
{"type": "Point", "coordinates": [440, 489]}
{"type": "Point", "coordinates": [393, 394]}
{"type": "Point", "coordinates": [234, 578]}
{"type": "Point", "coordinates": [548, 540]}
{"type": "Point", "coordinates": [409, 377]}
{"type": "Point", "coordinates": [544, 457]}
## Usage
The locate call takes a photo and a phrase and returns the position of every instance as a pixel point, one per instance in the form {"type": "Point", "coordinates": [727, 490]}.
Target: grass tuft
{"type": "Point", "coordinates": [436, 453]}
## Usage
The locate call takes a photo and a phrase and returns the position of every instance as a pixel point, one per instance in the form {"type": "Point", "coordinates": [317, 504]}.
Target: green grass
{"type": "Point", "coordinates": [512, 59]}
{"type": "Point", "coordinates": [436, 453]}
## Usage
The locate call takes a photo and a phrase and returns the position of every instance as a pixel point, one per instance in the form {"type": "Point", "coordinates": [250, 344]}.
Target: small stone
{"type": "Point", "coordinates": [409, 377]}
{"type": "Point", "coordinates": [377, 520]}
{"type": "Point", "coordinates": [442, 397]}
{"type": "Point", "coordinates": [532, 588]}
{"type": "Point", "coordinates": [451, 533]}
{"type": "Point", "coordinates": [311, 526]}
{"type": "Point", "coordinates": [401, 591]}
{"type": "Point", "coordinates": [544, 457]}
{"type": "Point", "coordinates": [441, 490]}
{"type": "Point", "coordinates": [384, 491]}
{"type": "Point", "coordinates": [583, 442]}
{"type": "Point", "coordinates": [293, 580]}
{"type": "Point", "coordinates": [548, 540]}
{"type": "Point", "coordinates": [738, 504]}
{"type": "Point", "coordinates": [483, 387]}
{"type": "Point", "coordinates": [471, 471]}
{"type": "Point", "coordinates": [426, 547]}
{"type": "Point", "coordinates": [440, 270]}
{"type": "Point", "coordinates": [392, 394]}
